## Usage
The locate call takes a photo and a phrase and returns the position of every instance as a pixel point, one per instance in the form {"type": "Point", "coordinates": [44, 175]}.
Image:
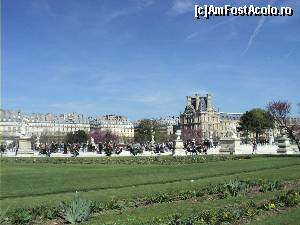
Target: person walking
{"type": "Point", "coordinates": [254, 146]}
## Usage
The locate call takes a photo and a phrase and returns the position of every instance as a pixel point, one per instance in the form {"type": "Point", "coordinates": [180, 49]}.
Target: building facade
{"type": "Point", "coordinates": [118, 125]}
{"type": "Point", "coordinates": [168, 124]}
{"type": "Point", "coordinates": [199, 114]}
{"type": "Point", "coordinates": [37, 124]}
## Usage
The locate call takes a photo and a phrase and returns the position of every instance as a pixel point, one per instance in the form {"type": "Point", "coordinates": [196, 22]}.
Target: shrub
{"type": "Point", "coordinates": [76, 211]}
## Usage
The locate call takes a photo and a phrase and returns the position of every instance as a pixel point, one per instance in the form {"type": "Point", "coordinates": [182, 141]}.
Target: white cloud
{"type": "Point", "coordinates": [257, 29]}
{"type": "Point", "coordinates": [137, 6]}
{"type": "Point", "coordinates": [181, 7]}
{"type": "Point", "coordinates": [192, 35]}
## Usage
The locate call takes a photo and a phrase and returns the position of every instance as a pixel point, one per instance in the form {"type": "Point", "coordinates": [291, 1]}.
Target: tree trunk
{"type": "Point", "coordinates": [293, 137]}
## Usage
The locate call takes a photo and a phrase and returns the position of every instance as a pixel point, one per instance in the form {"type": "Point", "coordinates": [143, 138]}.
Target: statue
{"type": "Point", "coordinates": [24, 127]}
{"type": "Point", "coordinates": [92, 141]}
{"type": "Point", "coordinates": [232, 133]}
{"type": "Point", "coordinates": [38, 141]}
{"type": "Point", "coordinates": [178, 134]}
{"type": "Point", "coordinates": [152, 138]}
{"type": "Point", "coordinates": [24, 140]}
{"type": "Point", "coordinates": [231, 143]}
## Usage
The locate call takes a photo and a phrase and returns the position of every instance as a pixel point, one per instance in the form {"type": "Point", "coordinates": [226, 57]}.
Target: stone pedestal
{"type": "Point", "coordinates": [230, 145]}
{"type": "Point", "coordinates": [284, 146]}
{"type": "Point", "coordinates": [25, 147]}
{"type": "Point", "coordinates": [179, 145]}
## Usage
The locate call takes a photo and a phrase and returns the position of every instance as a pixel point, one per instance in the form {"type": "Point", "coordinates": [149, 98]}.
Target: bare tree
{"type": "Point", "coordinates": [189, 134]}
{"type": "Point", "coordinates": [104, 136]}
{"type": "Point", "coordinates": [280, 111]}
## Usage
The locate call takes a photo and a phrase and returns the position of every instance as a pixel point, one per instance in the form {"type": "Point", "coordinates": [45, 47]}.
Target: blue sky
{"type": "Point", "coordinates": [141, 58]}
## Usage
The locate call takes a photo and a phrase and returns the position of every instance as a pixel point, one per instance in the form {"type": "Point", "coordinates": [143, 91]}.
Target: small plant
{"type": "Point", "coordinates": [3, 217]}
{"type": "Point", "coordinates": [97, 206]}
{"type": "Point", "coordinates": [43, 211]}
{"type": "Point", "coordinates": [76, 211]}
{"type": "Point", "coordinates": [270, 205]}
{"type": "Point", "coordinates": [271, 186]}
{"type": "Point", "coordinates": [21, 216]}
{"type": "Point", "coordinates": [115, 204]}
{"type": "Point", "coordinates": [290, 199]}
{"type": "Point", "coordinates": [235, 188]}
{"type": "Point", "coordinates": [227, 215]}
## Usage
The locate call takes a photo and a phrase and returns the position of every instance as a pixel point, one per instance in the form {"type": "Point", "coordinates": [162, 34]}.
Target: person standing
{"type": "Point", "coordinates": [254, 146]}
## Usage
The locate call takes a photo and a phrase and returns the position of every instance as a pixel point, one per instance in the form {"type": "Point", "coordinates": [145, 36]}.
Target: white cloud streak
{"type": "Point", "coordinates": [138, 6]}
{"type": "Point", "coordinates": [257, 29]}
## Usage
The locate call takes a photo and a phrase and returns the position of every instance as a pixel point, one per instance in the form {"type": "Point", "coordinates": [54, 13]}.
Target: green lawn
{"type": "Point", "coordinates": [185, 208]}
{"type": "Point", "coordinates": [31, 184]}
{"type": "Point", "coordinates": [289, 217]}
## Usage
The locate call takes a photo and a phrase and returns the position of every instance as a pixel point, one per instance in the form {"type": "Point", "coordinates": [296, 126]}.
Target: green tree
{"type": "Point", "coordinates": [144, 131]}
{"type": "Point", "coordinates": [77, 137]}
{"type": "Point", "coordinates": [256, 121]}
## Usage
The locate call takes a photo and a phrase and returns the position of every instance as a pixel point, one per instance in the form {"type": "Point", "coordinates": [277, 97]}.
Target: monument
{"type": "Point", "coordinates": [152, 138]}
{"type": "Point", "coordinates": [24, 149]}
{"type": "Point", "coordinates": [231, 143]}
{"type": "Point", "coordinates": [179, 147]}
{"type": "Point", "coordinates": [284, 145]}
{"type": "Point", "coordinates": [271, 138]}
{"type": "Point", "coordinates": [38, 141]}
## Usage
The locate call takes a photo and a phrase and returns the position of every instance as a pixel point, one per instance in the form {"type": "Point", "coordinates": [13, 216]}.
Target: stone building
{"type": "Point", "coordinates": [10, 123]}
{"type": "Point", "coordinates": [119, 125]}
{"type": "Point", "coordinates": [168, 124]}
{"type": "Point", "coordinates": [199, 114]}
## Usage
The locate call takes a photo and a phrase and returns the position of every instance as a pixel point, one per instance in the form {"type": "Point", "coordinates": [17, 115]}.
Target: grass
{"type": "Point", "coordinates": [28, 184]}
{"type": "Point", "coordinates": [289, 217]}
{"type": "Point", "coordinates": [185, 208]}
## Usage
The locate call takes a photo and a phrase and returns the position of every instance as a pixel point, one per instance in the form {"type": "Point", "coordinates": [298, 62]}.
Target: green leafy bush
{"type": "Point", "coordinates": [43, 211]}
{"type": "Point", "coordinates": [76, 211]}
{"type": "Point", "coordinates": [270, 186]}
{"type": "Point", "coordinates": [161, 160]}
{"type": "Point", "coordinates": [290, 199]}
{"type": "Point", "coordinates": [21, 216]}
{"type": "Point", "coordinates": [115, 204]}
{"type": "Point", "coordinates": [235, 188]}
{"type": "Point", "coordinates": [3, 217]}
{"type": "Point", "coordinates": [97, 206]}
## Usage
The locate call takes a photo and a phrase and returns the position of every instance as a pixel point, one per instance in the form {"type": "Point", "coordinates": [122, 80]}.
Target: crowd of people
{"type": "Point", "coordinates": [109, 148]}
{"type": "Point", "coordinates": [198, 147]}
{"type": "Point", "coordinates": [106, 148]}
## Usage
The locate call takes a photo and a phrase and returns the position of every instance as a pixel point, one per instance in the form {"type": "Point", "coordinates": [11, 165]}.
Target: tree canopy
{"type": "Point", "coordinates": [147, 128]}
{"type": "Point", "coordinates": [77, 137]}
{"type": "Point", "coordinates": [256, 121]}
